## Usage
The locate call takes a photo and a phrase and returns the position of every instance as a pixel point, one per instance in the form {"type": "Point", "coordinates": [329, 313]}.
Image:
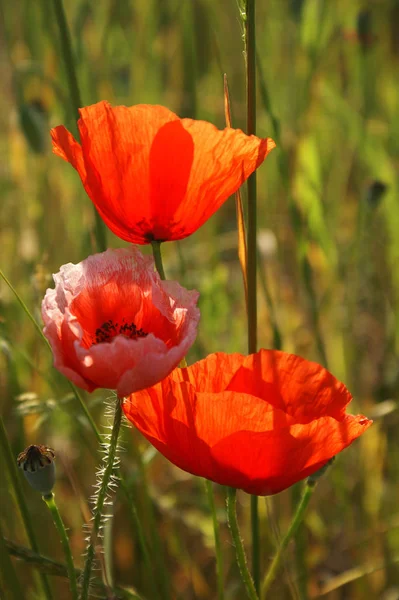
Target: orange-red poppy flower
{"type": "Point", "coordinates": [112, 323]}
{"type": "Point", "coordinates": [259, 423]}
{"type": "Point", "coordinates": [153, 176]}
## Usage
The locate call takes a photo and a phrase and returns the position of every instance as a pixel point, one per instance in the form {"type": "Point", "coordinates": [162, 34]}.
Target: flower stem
{"type": "Point", "coordinates": [250, 70]}
{"type": "Point", "coordinates": [157, 548]}
{"type": "Point", "coordinates": [101, 497]}
{"type": "Point", "coordinates": [19, 494]}
{"type": "Point", "coordinates": [295, 523]}
{"type": "Point", "coordinates": [25, 308]}
{"type": "Point", "coordinates": [156, 251]}
{"type": "Point", "coordinates": [240, 552]}
{"type": "Point", "coordinates": [216, 533]}
{"type": "Point", "coordinates": [67, 53]}
{"type": "Point", "coordinates": [43, 337]}
{"type": "Point", "coordinates": [138, 530]}
{"type": "Point", "coordinates": [8, 575]}
{"type": "Point", "coordinates": [76, 101]}
{"type": "Point", "coordinates": [58, 569]}
{"type": "Point", "coordinates": [58, 522]}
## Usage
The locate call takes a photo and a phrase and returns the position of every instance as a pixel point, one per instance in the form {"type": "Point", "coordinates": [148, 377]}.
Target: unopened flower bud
{"type": "Point", "coordinates": [37, 463]}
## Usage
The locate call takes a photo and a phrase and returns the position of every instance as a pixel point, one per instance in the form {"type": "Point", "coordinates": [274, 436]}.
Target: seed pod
{"type": "Point", "coordinates": [37, 463]}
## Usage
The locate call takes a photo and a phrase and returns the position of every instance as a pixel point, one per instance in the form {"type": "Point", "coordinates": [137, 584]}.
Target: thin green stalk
{"type": "Point", "coordinates": [43, 337]}
{"type": "Point", "coordinates": [58, 569]}
{"type": "Point", "coordinates": [237, 541]}
{"type": "Point", "coordinates": [138, 529]}
{"type": "Point", "coordinates": [250, 69]}
{"type": "Point", "coordinates": [76, 101]}
{"type": "Point", "coordinates": [101, 497]}
{"type": "Point", "coordinates": [58, 522]}
{"type": "Point", "coordinates": [156, 251]}
{"type": "Point", "coordinates": [73, 388]}
{"type": "Point", "coordinates": [156, 546]}
{"type": "Point", "coordinates": [25, 308]}
{"type": "Point", "coordinates": [20, 497]}
{"type": "Point", "coordinates": [67, 55]}
{"type": "Point", "coordinates": [295, 523]}
{"type": "Point", "coordinates": [86, 412]}
{"type": "Point", "coordinates": [216, 533]}
{"type": "Point", "coordinates": [8, 574]}
{"type": "Point", "coordinates": [314, 311]}
{"type": "Point", "coordinates": [300, 550]}
{"type": "Point", "coordinates": [250, 53]}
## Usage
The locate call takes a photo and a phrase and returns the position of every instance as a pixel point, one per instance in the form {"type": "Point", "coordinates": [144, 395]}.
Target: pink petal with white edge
{"type": "Point", "coordinates": [118, 286]}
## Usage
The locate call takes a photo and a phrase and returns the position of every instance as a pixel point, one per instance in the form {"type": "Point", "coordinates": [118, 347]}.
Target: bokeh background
{"type": "Point", "coordinates": [328, 93]}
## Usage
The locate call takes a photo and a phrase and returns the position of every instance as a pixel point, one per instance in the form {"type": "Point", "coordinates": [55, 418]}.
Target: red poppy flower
{"type": "Point", "coordinates": [153, 176]}
{"type": "Point", "coordinates": [112, 323]}
{"type": "Point", "coordinates": [260, 422]}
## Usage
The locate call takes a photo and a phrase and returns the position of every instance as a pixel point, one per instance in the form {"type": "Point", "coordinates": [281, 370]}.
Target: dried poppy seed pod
{"type": "Point", "coordinates": [37, 463]}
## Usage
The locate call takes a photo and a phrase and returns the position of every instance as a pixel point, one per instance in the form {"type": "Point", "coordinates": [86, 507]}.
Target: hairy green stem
{"type": "Point", "coordinates": [101, 497]}
{"type": "Point", "coordinates": [156, 251]}
{"type": "Point", "coordinates": [76, 101]}
{"type": "Point", "coordinates": [295, 523]}
{"type": "Point", "coordinates": [216, 534]}
{"type": "Point", "coordinates": [10, 461]}
{"type": "Point", "coordinates": [240, 552]}
{"type": "Point", "coordinates": [58, 522]}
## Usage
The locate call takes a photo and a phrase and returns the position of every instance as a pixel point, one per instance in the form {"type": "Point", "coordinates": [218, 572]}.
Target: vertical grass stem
{"type": "Point", "coordinates": [216, 533]}
{"type": "Point", "coordinates": [76, 101]}
{"type": "Point", "coordinates": [231, 502]}
{"type": "Point", "coordinates": [20, 497]}
{"type": "Point", "coordinates": [295, 523]}
{"type": "Point", "coordinates": [250, 55]}
{"type": "Point", "coordinates": [58, 522]}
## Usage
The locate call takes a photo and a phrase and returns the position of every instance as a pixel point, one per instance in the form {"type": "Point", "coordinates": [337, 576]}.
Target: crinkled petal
{"type": "Point", "coordinates": [118, 287]}
{"type": "Point", "coordinates": [153, 176]}
{"type": "Point", "coordinates": [207, 420]}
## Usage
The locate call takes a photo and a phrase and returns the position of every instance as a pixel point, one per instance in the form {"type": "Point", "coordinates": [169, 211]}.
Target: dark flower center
{"type": "Point", "coordinates": [35, 457]}
{"type": "Point", "coordinates": [109, 330]}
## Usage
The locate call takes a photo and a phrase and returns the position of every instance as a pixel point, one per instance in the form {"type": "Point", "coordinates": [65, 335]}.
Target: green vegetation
{"type": "Point", "coordinates": [328, 282]}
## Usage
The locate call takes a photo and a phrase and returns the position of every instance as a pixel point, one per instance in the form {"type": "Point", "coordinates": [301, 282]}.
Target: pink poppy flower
{"type": "Point", "coordinates": [113, 323]}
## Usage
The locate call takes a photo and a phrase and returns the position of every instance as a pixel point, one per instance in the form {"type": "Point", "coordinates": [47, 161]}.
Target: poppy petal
{"type": "Point", "coordinates": [153, 176]}
{"type": "Point", "coordinates": [112, 322]}
{"type": "Point", "coordinates": [222, 161]}
{"type": "Point", "coordinates": [253, 433]}
{"type": "Point", "coordinates": [65, 146]}
{"type": "Point", "coordinates": [116, 144]}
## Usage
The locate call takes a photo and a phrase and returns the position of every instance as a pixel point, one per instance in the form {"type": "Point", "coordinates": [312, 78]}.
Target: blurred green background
{"type": "Point", "coordinates": [328, 93]}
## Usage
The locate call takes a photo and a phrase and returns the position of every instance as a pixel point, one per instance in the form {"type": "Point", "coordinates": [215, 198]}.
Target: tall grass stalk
{"type": "Point", "coordinates": [45, 340]}
{"type": "Point", "coordinates": [216, 534]}
{"type": "Point", "coordinates": [58, 522]}
{"type": "Point", "coordinates": [231, 504]}
{"type": "Point", "coordinates": [248, 15]}
{"type": "Point", "coordinates": [76, 101]}
{"type": "Point", "coordinates": [295, 523]}
{"type": "Point", "coordinates": [11, 464]}
{"type": "Point", "coordinates": [75, 391]}
{"type": "Point", "coordinates": [8, 575]}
